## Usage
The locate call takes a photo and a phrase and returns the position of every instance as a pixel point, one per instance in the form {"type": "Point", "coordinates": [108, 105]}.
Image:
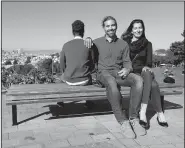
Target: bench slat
{"type": "Point", "coordinates": [62, 87]}
{"type": "Point", "coordinates": [60, 95]}
{"type": "Point", "coordinates": [20, 90]}
{"type": "Point", "coordinates": [78, 98]}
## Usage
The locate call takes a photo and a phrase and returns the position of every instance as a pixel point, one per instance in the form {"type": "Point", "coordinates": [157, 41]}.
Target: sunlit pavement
{"type": "Point", "coordinates": [95, 131]}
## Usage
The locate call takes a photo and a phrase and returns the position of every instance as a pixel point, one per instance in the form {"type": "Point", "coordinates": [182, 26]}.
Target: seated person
{"type": "Point", "coordinates": [76, 61]}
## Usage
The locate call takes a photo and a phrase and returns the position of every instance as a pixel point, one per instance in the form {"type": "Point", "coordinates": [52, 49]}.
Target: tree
{"type": "Point", "coordinates": [56, 67]}
{"type": "Point", "coordinates": [8, 62]}
{"type": "Point", "coordinates": [157, 60]}
{"type": "Point", "coordinates": [55, 54]}
{"type": "Point", "coordinates": [170, 58]}
{"type": "Point", "coordinates": [15, 61]}
{"type": "Point", "coordinates": [28, 60]}
{"type": "Point", "coordinates": [21, 69]}
{"type": "Point", "coordinates": [177, 48]}
{"type": "Point", "coordinates": [45, 65]}
{"type": "Point", "coordinates": [26, 69]}
{"type": "Point", "coordinates": [160, 51]}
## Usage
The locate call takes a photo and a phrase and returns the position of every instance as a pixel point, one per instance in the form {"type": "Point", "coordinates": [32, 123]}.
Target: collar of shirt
{"type": "Point", "coordinates": [110, 40]}
{"type": "Point", "coordinates": [77, 37]}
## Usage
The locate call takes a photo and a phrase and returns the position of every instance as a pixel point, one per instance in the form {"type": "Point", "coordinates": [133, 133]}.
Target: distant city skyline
{"type": "Point", "coordinates": [47, 25]}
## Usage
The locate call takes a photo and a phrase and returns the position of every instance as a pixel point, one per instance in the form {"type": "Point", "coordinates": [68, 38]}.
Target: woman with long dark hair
{"type": "Point", "coordinates": [141, 57]}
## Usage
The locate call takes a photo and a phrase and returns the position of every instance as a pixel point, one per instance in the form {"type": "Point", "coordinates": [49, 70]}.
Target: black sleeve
{"type": "Point", "coordinates": [94, 56]}
{"type": "Point", "coordinates": [149, 55]}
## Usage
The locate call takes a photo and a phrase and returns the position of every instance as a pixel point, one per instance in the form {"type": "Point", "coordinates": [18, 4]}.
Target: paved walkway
{"type": "Point", "coordinates": [95, 131]}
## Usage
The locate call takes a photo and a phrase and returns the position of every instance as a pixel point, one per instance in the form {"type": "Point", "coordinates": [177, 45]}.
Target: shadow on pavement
{"type": "Point", "coordinates": [31, 118]}
{"type": "Point", "coordinates": [77, 109]}
{"type": "Point", "coordinates": [167, 106]}
{"type": "Point", "coordinates": [99, 107]}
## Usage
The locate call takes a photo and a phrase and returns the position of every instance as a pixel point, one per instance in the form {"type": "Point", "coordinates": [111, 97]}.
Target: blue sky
{"type": "Point", "coordinates": [47, 25]}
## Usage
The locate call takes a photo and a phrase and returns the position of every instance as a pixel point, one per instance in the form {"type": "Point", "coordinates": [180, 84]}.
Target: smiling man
{"type": "Point", "coordinates": [114, 70]}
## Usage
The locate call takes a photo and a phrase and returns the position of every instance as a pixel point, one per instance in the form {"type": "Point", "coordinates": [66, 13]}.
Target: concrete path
{"type": "Point", "coordinates": [94, 131]}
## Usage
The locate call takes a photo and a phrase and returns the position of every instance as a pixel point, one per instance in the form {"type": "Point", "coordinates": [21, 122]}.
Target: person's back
{"type": "Point", "coordinates": [77, 61]}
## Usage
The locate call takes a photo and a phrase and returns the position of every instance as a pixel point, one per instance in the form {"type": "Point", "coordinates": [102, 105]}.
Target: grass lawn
{"type": "Point", "coordinates": [177, 71]}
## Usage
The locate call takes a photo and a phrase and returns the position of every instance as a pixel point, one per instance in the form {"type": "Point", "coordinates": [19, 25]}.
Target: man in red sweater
{"type": "Point", "coordinates": [76, 60]}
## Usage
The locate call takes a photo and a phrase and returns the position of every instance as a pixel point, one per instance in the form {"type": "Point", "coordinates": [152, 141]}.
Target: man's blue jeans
{"type": "Point", "coordinates": [112, 81]}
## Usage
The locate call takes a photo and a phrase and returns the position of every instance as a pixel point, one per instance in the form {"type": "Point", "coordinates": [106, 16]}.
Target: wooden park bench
{"type": "Point", "coordinates": [61, 92]}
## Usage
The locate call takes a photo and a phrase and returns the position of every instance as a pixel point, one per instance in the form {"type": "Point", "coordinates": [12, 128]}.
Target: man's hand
{"type": "Point", "coordinates": [88, 42]}
{"type": "Point", "coordinates": [124, 72]}
{"type": "Point", "coordinates": [147, 68]}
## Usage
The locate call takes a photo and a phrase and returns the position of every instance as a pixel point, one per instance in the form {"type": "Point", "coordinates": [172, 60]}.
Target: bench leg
{"type": "Point", "coordinates": [14, 114]}
{"type": "Point", "coordinates": [162, 103]}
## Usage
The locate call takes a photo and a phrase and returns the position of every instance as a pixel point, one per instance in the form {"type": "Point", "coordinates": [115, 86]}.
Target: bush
{"type": "Point", "coordinates": [21, 69]}
{"type": "Point", "coordinates": [26, 69]}
{"type": "Point", "coordinates": [28, 60]}
{"type": "Point", "coordinates": [8, 62]}
{"type": "Point", "coordinates": [56, 67]}
{"type": "Point", "coordinates": [15, 61]}
{"type": "Point", "coordinates": [45, 65]}
{"type": "Point", "coordinates": [41, 76]}
{"type": "Point", "coordinates": [28, 74]}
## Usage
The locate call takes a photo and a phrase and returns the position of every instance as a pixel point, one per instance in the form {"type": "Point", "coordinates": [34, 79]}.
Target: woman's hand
{"type": "Point", "coordinates": [88, 42]}
{"type": "Point", "coordinates": [147, 68]}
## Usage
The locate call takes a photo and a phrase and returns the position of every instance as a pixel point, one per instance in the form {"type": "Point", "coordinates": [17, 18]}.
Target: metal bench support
{"type": "Point", "coordinates": [14, 114]}
{"type": "Point", "coordinates": [162, 103]}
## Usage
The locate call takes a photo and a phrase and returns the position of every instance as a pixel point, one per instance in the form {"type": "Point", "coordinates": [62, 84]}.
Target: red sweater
{"type": "Point", "coordinates": [76, 61]}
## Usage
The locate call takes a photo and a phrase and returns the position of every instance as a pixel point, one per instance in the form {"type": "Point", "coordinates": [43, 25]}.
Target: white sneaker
{"type": "Point", "coordinates": [127, 130]}
{"type": "Point", "coordinates": [138, 129]}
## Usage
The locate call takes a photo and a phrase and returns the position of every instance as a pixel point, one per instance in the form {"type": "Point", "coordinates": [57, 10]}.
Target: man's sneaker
{"type": "Point", "coordinates": [127, 130]}
{"type": "Point", "coordinates": [138, 129]}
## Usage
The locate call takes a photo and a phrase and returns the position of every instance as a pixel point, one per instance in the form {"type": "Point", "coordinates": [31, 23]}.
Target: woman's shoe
{"type": "Point", "coordinates": [143, 123]}
{"type": "Point", "coordinates": [164, 124]}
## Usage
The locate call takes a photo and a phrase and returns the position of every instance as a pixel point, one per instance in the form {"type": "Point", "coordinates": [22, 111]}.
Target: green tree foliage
{"type": "Point", "coordinates": [28, 60]}
{"type": "Point", "coordinates": [21, 69]}
{"type": "Point", "coordinates": [27, 68]}
{"type": "Point", "coordinates": [175, 54]}
{"type": "Point", "coordinates": [40, 76]}
{"type": "Point", "coordinates": [157, 60]}
{"type": "Point", "coordinates": [170, 58]}
{"type": "Point", "coordinates": [55, 54]}
{"type": "Point", "coordinates": [10, 75]}
{"type": "Point", "coordinates": [161, 51]}
{"type": "Point", "coordinates": [45, 65]}
{"type": "Point", "coordinates": [56, 67]}
{"type": "Point", "coordinates": [178, 50]}
{"type": "Point", "coordinates": [8, 62]}
{"type": "Point", "coordinates": [15, 61]}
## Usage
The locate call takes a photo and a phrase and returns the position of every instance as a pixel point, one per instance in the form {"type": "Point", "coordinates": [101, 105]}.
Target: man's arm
{"type": "Point", "coordinates": [62, 61]}
{"type": "Point", "coordinates": [126, 58]}
{"type": "Point", "coordinates": [127, 64]}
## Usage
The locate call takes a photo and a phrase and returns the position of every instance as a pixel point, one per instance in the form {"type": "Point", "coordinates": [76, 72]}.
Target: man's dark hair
{"type": "Point", "coordinates": [78, 28]}
{"type": "Point", "coordinates": [108, 18]}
